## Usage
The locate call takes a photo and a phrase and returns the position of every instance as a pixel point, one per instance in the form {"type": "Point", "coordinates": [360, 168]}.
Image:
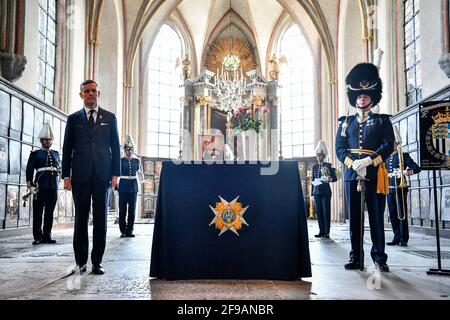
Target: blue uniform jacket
{"type": "Point", "coordinates": [392, 163]}
{"type": "Point", "coordinates": [324, 188]}
{"type": "Point", "coordinates": [47, 180]}
{"type": "Point", "coordinates": [375, 134]}
{"type": "Point", "coordinates": [129, 168]}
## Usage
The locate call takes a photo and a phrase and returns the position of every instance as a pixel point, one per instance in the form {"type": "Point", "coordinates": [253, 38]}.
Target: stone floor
{"type": "Point", "coordinates": [40, 272]}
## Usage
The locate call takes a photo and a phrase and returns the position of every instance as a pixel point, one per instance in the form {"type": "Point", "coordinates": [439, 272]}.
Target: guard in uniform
{"type": "Point", "coordinates": [46, 162]}
{"type": "Point", "coordinates": [397, 197]}
{"type": "Point", "coordinates": [128, 188]}
{"type": "Point", "coordinates": [323, 173]}
{"type": "Point", "coordinates": [363, 142]}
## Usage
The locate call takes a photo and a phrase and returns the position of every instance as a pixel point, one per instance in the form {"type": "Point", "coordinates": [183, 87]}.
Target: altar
{"type": "Point", "coordinates": [230, 221]}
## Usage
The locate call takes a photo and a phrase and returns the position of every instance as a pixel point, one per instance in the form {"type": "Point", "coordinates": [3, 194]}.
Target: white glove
{"type": "Point", "coordinates": [362, 172]}
{"type": "Point", "coordinates": [367, 161]}
{"type": "Point", "coordinates": [357, 164]}
{"type": "Point", "coordinates": [324, 179]}
{"type": "Point", "coordinates": [396, 173]}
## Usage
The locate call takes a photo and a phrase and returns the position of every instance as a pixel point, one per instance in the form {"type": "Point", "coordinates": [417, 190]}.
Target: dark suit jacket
{"type": "Point", "coordinates": [85, 151]}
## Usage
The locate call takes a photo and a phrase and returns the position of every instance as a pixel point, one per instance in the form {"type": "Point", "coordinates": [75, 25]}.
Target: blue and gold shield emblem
{"type": "Point", "coordinates": [228, 216]}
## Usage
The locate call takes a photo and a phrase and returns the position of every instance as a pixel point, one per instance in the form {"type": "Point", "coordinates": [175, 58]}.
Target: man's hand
{"type": "Point", "coordinates": [325, 179]}
{"type": "Point", "coordinates": [362, 172]}
{"type": "Point", "coordinates": [114, 182]}
{"type": "Point", "coordinates": [357, 165]}
{"type": "Point", "coordinates": [367, 161]}
{"type": "Point", "coordinates": [67, 184]}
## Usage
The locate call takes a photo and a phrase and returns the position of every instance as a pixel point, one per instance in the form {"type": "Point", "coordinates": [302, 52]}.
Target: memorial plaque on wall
{"type": "Point", "coordinates": [445, 205]}
{"type": "Point", "coordinates": [2, 202]}
{"type": "Point", "coordinates": [38, 122]}
{"type": "Point", "coordinates": [56, 134]}
{"type": "Point", "coordinates": [415, 203]}
{"type": "Point", "coordinates": [26, 151]}
{"type": "Point", "coordinates": [61, 203]}
{"type": "Point", "coordinates": [149, 168]}
{"type": "Point", "coordinates": [48, 119]}
{"type": "Point", "coordinates": [24, 212]}
{"type": "Point", "coordinates": [434, 123]}
{"type": "Point", "coordinates": [12, 206]}
{"type": "Point", "coordinates": [15, 129]}
{"type": "Point", "coordinates": [412, 129]}
{"type": "Point", "coordinates": [425, 204]}
{"type": "Point", "coordinates": [69, 204]}
{"type": "Point", "coordinates": [3, 159]}
{"type": "Point", "coordinates": [14, 161]}
{"type": "Point", "coordinates": [432, 214]}
{"type": "Point", "coordinates": [5, 102]}
{"type": "Point", "coordinates": [28, 122]}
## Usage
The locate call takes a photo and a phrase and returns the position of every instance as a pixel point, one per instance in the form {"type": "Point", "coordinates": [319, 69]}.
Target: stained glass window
{"type": "Point", "coordinates": [47, 50]}
{"type": "Point", "coordinates": [163, 96]}
{"type": "Point", "coordinates": [412, 51]}
{"type": "Point", "coordinates": [297, 95]}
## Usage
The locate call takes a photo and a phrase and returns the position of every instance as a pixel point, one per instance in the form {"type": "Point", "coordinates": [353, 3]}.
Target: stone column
{"type": "Point", "coordinates": [12, 35]}
{"type": "Point", "coordinates": [200, 116]}
{"type": "Point", "coordinates": [187, 122]}
{"type": "Point", "coordinates": [444, 61]}
{"type": "Point", "coordinates": [274, 120]}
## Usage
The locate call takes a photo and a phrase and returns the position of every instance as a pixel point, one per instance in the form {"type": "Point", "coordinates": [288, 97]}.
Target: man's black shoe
{"type": "Point", "coordinates": [130, 235]}
{"type": "Point", "coordinates": [50, 241]}
{"type": "Point", "coordinates": [123, 235]}
{"type": "Point", "coordinates": [80, 268]}
{"type": "Point", "coordinates": [98, 269]}
{"type": "Point", "coordinates": [382, 266]}
{"type": "Point", "coordinates": [393, 243]}
{"type": "Point", "coordinates": [36, 242]}
{"type": "Point", "coordinates": [318, 235]}
{"type": "Point", "coordinates": [352, 265]}
{"type": "Point", "coordinates": [403, 244]}
{"type": "Point", "coordinates": [326, 236]}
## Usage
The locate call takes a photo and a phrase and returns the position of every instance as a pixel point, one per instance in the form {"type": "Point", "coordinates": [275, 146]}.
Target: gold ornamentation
{"type": "Point", "coordinates": [348, 162]}
{"type": "Point", "coordinates": [223, 47]}
{"type": "Point", "coordinates": [202, 100]}
{"type": "Point", "coordinates": [228, 216]}
{"type": "Point", "coordinates": [258, 101]}
{"type": "Point", "coordinates": [377, 161]}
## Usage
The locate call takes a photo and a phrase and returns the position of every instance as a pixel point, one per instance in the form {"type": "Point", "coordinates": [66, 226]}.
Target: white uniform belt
{"type": "Point", "coordinates": [128, 177]}
{"type": "Point", "coordinates": [47, 169]}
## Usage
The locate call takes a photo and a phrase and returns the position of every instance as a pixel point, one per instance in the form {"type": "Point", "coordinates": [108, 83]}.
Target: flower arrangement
{"type": "Point", "coordinates": [249, 117]}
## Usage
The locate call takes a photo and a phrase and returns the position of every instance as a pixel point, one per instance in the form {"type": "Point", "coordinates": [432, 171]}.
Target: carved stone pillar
{"type": "Point", "coordinates": [444, 61]}
{"type": "Point", "coordinates": [12, 33]}
{"type": "Point", "coordinates": [274, 121]}
{"type": "Point", "coordinates": [187, 122]}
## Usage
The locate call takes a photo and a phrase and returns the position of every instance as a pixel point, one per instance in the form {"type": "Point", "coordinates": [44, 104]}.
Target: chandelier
{"type": "Point", "coordinates": [230, 85]}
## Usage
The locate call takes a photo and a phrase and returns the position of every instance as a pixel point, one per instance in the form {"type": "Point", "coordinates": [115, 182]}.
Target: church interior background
{"type": "Point", "coordinates": [157, 64]}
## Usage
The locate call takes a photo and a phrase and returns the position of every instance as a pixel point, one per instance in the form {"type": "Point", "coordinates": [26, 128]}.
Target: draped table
{"type": "Point", "coordinates": [261, 235]}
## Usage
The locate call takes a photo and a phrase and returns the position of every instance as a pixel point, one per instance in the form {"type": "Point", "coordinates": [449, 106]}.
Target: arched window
{"type": "Point", "coordinates": [412, 51]}
{"type": "Point", "coordinates": [164, 111]}
{"type": "Point", "coordinates": [297, 95]}
{"type": "Point", "coordinates": [47, 50]}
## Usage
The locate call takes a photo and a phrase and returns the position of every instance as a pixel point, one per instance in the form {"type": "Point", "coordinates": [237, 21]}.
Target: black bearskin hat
{"type": "Point", "coordinates": [364, 79]}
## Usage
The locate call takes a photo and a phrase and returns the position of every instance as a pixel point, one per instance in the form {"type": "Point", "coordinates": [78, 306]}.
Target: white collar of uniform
{"type": "Point", "coordinates": [87, 110]}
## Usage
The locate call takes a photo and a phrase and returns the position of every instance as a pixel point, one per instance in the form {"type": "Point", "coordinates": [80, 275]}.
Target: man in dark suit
{"type": "Point", "coordinates": [46, 163]}
{"type": "Point", "coordinates": [397, 198]}
{"type": "Point", "coordinates": [128, 188]}
{"type": "Point", "coordinates": [90, 166]}
{"type": "Point", "coordinates": [323, 174]}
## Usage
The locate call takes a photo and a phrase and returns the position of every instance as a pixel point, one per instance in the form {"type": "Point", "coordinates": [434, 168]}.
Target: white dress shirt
{"type": "Point", "coordinates": [94, 115]}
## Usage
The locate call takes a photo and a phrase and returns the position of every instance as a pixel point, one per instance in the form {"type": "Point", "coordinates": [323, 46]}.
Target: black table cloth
{"type": "Point", "coordinates": [274, 244]}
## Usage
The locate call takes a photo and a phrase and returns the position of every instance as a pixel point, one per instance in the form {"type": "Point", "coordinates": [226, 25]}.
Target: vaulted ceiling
{"type": "Point", "coordinates": [207, 19]}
